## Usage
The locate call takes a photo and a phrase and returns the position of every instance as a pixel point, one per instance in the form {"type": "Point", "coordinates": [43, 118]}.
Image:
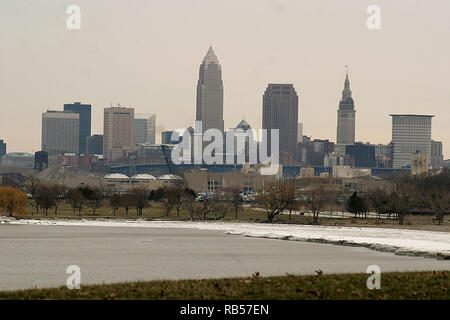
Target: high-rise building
{"type": "Point", "coordinates": [118, 131]}
{"type": "Point", "coordinates": [94, 144]}
{"type": "Point", "coordinates": [363, 154]}
{"type": "Point", "coordinates": [411, 134]}
{"type": "Point", "coordinates": [40, 160]}
{"type": "Point", "coordinates": [300, 132]}
{"type": "Point", "coordinates": [210, 93]}
{"type": "Point", "coordinates": [166, 137]}
{"type": "Point", "coordinates": [144, 128]}
{"type": "Point", "coordinates": [2, 148]}
{"type": "Point", "coordinates": [84, 110]}
{"type": "Point", "coordinates": [383, 155]}
{"type": "Point", "coordinates": [280, 111]}
{"type": "Point", "coordinates": [346, 117]}
{"type": "Point", "coordinates": [437, 158]}
{"type": "Point", "coordinates": [60, 132]}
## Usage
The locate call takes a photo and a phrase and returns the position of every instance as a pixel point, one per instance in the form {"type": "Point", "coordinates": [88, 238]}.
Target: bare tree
{"type": "Point", "coordinates": [233, 194]}
{"type": "Point", "coordinates": [318, 192]}
{"type": "Point", "coordinates": [32, 187]}
{"type": "Point", "coordinates": [93, 197]}
{"type": "Point", "coordinates": [76, 200]}
{"type": "Point", "coordinates": [126, 201]}
{"type": "Point", "coordinates": [188, 202]}
{"type": "Point", "coordinates": [274, 199]}
{"type": "Point", "coordinates": [58, 192]}
{"type": "Point", "coordinates": [140, 195]}
{"type": "Point", "coordinates": [114, 202]}
{"type": "Point", "coordinates": [47, 200]}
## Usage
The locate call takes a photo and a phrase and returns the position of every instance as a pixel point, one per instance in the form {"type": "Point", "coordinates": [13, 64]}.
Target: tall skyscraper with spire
{"type": "Point", "coordinates": [210, 93]}
{"type": "Point", "coordinates": [346, 117]}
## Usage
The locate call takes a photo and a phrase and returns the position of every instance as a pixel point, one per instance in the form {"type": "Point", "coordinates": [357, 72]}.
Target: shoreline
{"type": "Point", "coordinates": [418, 243]}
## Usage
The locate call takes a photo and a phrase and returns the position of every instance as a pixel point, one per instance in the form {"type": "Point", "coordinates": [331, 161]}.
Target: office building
{"type": "Point", "coordinates": [2, 148]}
{"type": "Point", "coordinates": [94, 144]}
{"type": "Point", "coordinates": [170, 137]}
{"type": "Point", "coordinates": [84, 110]}
{"type": "Point", "coordinates": [118, 132]}
{"type": "Point", "coordinates": [346, 117]}
{"type": "Point", "coordinates": [60, 132]}
{"type": "Point", "coordinates": [437, 158]}
{"type": "Point", "coordinates": [40, 160]}
{"type": "Point", "coordinates": [363, 154]}
{"type": "Point", "coordinates": [280, 111]}
{"type": "Point", "coordinates": [210, 93]}
{"type": "Point", "coordinates": [144, 128]}
{"type": "Point", "coordinates": [411, 134]}
{"type": "Point", "coordinates": [17, 160]}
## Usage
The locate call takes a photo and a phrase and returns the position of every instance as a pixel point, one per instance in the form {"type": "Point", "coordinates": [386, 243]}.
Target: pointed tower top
{"type": "Point", "coordinates": [210, 57]}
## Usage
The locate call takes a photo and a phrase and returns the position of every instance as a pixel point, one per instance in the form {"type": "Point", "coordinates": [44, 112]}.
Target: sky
{"type": "Point", "coordinates": [145, 54]}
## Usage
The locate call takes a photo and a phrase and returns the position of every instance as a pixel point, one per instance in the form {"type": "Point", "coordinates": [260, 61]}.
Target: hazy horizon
{"type": "Point", "coordinates": [146, 55]}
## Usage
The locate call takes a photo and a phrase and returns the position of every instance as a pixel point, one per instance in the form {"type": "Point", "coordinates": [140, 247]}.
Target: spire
{"type": "Point", "coordinates": [346, 93]}
{"type": "Point", "coordinates": [210, 57]}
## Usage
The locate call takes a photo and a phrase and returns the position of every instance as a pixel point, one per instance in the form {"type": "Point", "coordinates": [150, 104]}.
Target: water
{"type": "Point", "coordinates": [37, 256]}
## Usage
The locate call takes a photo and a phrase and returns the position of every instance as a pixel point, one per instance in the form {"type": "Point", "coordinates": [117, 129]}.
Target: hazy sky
{"type": "Point", "coordinates": [146, 54]}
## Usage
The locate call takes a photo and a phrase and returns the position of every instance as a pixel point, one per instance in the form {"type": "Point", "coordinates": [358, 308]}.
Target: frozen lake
{"type": "Point", "coordinates": [38, 255]}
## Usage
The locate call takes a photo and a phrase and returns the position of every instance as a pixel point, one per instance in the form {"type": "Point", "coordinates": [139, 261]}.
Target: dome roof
{"type": "Point", "coordinates": [169, 177]}
{"type": "Point", "coordinates": [18, 155]}
{"type": "Point", "coordinates": [144, 177]}
{"type": "Point", "coordinates": [116, 176]}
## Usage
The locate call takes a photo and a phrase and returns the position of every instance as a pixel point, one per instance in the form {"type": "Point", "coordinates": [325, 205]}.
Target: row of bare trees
{"type": "Point", "coordinates": [315, 195]}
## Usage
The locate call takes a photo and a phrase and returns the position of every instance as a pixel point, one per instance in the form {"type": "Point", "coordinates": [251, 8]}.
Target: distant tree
{"type": "Point", "coordinates": [356, 204]}
{"type": "Point", "coordinates": [93, 197]}
{"type": "Point", "coordinates": [76, 200]}
{"type": "Point", "coordinates": [188, 200]}
{"type": "Point", "coordinates": [403, 200]}
{"type": "Point", "coordinates": [317, 192]}
{"type": "Point", "coordinates": [204, 207]}
{"type": "Point", "coordinates": [13, 201]}
{"type": "Point", "coordinates": [380, 202]}
{"type": "Point", "coordinates": [32, 186]}
{"type": "Point", "coordinates": [140, 197]}
{"type": "Point", "coordinates": [233, 193]}
{"type": "Point", "coordinates": [174, 190]}
{"type": "Point", "coordinates": [274, 199]}
{"type": "Point", "coordinates": [114, 202]}
{"type": "Point", "coordinates": [58, 192]}
{"type": "Point", "coordinates": [126, 201]}
{"type": "Point", "coordinates": [47, 198]}
{"type": "Point", "coordinates": [440, 203]}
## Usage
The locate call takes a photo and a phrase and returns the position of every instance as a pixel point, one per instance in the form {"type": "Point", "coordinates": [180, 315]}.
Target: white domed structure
{"type": "Point", "coordinates": [169, 177]}
{"type": "Point", "coordinates": [117, 177]}
{"type": "Point", "coordinates": [142, 178]}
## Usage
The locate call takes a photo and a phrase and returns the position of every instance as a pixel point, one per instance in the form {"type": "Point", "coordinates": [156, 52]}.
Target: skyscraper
{"type": "Point", "coordinates": [84, 110]}
{"type": "Point", "coordinates": [2, 148]}
{"type": "Point", "coordinates": [280, 111]}
{"type": "Point", "coordinates": [436, 154]}
{"type": "Point", "coordinates": [411, 134]}
{"type": "Point", "coordinates": [118, 131]}
{"type": "Point", "coordinates": [346, 117]}
{"type": "Point", "coordinates": [60, 132]}
{"type": "Point", "coordinates": [210, 93]}
{"type": "Point", "coordinates": [144, 128]}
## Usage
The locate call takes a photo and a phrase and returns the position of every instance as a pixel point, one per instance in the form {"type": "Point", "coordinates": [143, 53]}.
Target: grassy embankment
{"type": "Point", "coordinates": [246, 214]}
{"type": "Point", "coordinates": [408, 285]}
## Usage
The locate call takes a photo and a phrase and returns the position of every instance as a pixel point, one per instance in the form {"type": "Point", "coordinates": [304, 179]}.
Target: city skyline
{"type": "Point", "coordinates": [412, 77]}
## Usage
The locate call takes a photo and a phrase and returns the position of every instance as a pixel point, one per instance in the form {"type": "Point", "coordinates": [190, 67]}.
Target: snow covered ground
{"type": "Point", "coordinates": [428, 244]}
